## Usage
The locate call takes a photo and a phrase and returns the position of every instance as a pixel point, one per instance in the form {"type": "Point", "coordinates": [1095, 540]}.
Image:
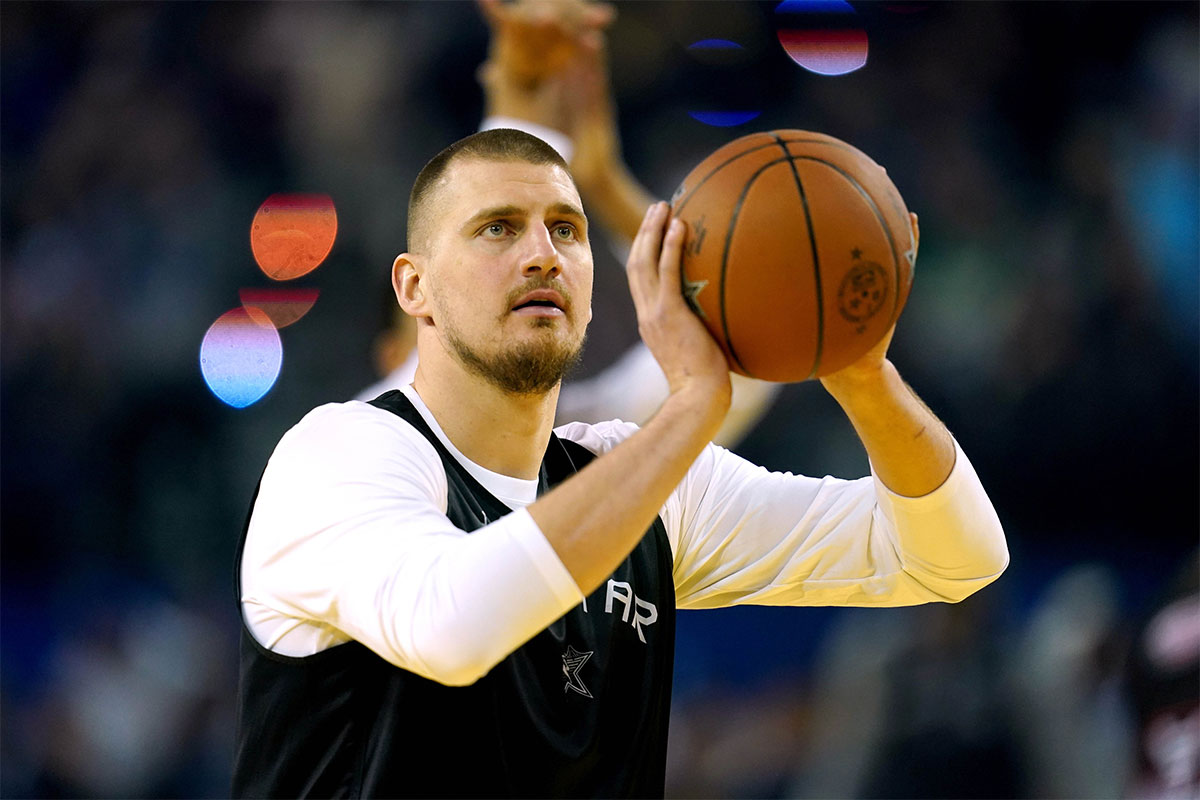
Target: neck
{"type": "Point", "coordinates": [506, 433]}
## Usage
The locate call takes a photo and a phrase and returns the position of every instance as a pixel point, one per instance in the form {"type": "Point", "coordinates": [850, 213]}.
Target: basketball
{"type": "Point", "coordinates": [799, 256]}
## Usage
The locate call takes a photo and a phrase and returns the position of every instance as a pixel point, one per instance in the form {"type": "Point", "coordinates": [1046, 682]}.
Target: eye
{"type": "Point", "coordinates": [565, 232]}
{"type": "Point", "coordinates": [494, 229]}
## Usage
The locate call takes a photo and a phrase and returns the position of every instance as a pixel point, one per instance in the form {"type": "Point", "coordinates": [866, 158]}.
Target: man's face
{"type": "Point", "coordinates": [510, 271]}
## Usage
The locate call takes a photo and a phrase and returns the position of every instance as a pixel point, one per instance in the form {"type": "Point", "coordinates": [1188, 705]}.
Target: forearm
{"type": "Point", "coordinates": [595, 519]}
{"type": "Point", "coordinates": [617, 199]}
{"type": "Point", "coordinates": [910, 449]}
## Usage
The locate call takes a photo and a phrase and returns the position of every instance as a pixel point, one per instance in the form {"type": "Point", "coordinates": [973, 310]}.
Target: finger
{"type": "Point", "coordinates": [647, 243]}
{"type": "Point", "coordinates": [492, 11]}
{"type": "Point", "coordinates": [591, 43]}
{"type": "Point", "coordinates": [916, 233]}
{"type": "Point", "coordinates": [599, 15]}
{"type": "Point", "coordinates": [670, 260]}
{"type": "Point", "coordinates": [589, 77]}
{"type": "Point", "coordinates": [642, 265]}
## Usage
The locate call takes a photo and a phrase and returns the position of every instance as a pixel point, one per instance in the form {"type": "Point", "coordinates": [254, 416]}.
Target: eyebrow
{"type": "Point", "coordinates": [496, 212]}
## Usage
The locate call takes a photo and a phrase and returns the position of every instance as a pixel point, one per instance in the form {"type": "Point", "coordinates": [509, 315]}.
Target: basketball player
{"type": "Point", "coordinates": [546, 74]}
{"type": "Point", "coordinates": [442, 595]}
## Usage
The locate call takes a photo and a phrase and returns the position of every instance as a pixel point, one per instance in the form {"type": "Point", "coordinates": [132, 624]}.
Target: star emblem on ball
{"type": "Point", "coordinates": [691, 290]}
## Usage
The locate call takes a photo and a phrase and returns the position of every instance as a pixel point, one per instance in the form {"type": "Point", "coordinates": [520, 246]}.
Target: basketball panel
{"type": "Point", "coordinates": [858, 274]}
{"type": "Point", "coordinates": [771, 298]}
{"type": "Point", "coordinates": [875, 183]}
{"type": "Point", "coordinates": [762, 147]}
{"type": "Point", "coordinates": [708, 211]}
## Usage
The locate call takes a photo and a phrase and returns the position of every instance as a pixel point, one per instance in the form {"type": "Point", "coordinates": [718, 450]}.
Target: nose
{"type": "Point", "coordinates": [540, 255]}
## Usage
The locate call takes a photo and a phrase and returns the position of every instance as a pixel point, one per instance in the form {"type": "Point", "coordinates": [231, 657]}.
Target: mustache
{"type": "Point", "coordinates": [535, 283]}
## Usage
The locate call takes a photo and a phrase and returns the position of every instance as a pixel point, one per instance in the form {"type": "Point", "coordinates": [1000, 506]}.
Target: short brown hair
{"type": "Point", "coordinates": [498, 144]}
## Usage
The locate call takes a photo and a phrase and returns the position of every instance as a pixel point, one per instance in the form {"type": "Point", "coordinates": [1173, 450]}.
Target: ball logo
{"type": "Point", "coordinates": [862, 292]}
{"type": "Point", "coordinates": [696, 243]}
{"type": "Point", "coordinates": [691, 295]}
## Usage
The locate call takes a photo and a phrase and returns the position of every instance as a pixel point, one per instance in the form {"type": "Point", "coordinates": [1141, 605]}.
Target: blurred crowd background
{"type": "Point", "coordinates": [1051, 150]}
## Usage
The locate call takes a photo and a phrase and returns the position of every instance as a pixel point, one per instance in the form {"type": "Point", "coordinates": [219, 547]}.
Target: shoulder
{"type": "Point", "coordinates": [350, 437]}
{"type": "Point", "coordinates": [400, 376]}
{"type": "Point", "coordinates": [602, 437]}
{"type": "Point", "coordinates": [598, 437]}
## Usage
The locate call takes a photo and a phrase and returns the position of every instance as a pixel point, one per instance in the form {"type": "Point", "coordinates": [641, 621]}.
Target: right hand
{"type": "Point", "coordinates": [686, 351]}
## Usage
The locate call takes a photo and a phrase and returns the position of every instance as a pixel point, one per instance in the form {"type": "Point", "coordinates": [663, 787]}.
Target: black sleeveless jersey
{"type": "Point", "coordinates": [580, 710]}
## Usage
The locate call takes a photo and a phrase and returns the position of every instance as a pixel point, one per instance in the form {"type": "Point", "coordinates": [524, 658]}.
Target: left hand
{"type": "Point", "coordinates": [873, 360]}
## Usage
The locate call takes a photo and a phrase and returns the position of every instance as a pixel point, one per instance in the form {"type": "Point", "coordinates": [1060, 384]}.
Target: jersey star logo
{"type": "Point", "coordinates": [573, 661]}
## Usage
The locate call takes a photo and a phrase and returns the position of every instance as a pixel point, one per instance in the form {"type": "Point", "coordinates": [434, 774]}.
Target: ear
{"type": "Point", "coordinates": [408, 271]}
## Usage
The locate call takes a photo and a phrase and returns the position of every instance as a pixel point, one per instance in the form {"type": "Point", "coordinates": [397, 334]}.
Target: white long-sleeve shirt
{"type": "Point", "coordinates": [349, 539]}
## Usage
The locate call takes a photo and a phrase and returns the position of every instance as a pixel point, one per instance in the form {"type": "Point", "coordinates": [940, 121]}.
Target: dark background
{"type": "Point", "coordinates": [1049, 148]}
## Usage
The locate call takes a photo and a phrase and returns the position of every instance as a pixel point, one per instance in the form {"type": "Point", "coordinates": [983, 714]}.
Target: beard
{"type": "Point", "coordinates": [531, 368]}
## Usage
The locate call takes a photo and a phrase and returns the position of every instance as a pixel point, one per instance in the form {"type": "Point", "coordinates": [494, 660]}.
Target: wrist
{"type": "Point", "coordinates": [702, 398]}
{"type": "Point", "coordinates": [615, 195]}
{"type": "Point", "coordinates": [603, 178]}
{"type": "Point", "coordinates": [861, 377]}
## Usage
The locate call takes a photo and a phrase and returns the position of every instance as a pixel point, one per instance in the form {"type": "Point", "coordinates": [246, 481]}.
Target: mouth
{"type": "Point", "coordinates": [541, 303]}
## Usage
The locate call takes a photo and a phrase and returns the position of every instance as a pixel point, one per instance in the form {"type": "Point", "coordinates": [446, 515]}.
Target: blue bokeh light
{"type": "Point", "coordinates": [715, 44]}
{"type": "Point", "coordinates": [814, 7]}
{"type": "Point", "coordinates": [723, 119]}
{"type": "Point", "coordinates": [241, 356]}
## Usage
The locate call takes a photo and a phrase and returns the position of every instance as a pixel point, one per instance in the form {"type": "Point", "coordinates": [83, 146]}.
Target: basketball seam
{"type": "Point", "coordinates": [733, 217]}
{"type": "Point", "coordinates": [887, 231]}
{"type": "Point", "coordinates": [788, 157]}
{"type": "Point", "coordinates": [840, 145]}
{"type": "Point", "coordinates": [830, 142]}
{"type": "Point", "coordinates": [812, 240]}
{"type": "Point", "coordinates": [684, 200]}
{"type": "Point", "coordinates": [791, 159]}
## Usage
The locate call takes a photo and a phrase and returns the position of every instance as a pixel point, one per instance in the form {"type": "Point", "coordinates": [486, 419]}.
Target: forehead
{"type": "Point", "coordinates": [472, 184]}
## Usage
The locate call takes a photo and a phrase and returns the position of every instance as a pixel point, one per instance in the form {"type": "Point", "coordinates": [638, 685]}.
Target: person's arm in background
{"type": "Point", "coordinates": [547, 73]}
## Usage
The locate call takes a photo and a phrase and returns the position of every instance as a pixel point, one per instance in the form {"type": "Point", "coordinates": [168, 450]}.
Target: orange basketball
{"type": "Point", "coordinates": [799, 255]}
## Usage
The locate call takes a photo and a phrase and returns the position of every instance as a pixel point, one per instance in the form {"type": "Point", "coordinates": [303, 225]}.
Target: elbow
{"type": "Point", "coordinates": [953, 585]}
{"type": "Point", "coordinates": [454, 657]}
{"type": "Point", "coordinates": [455, 671]}
{"type": "Point", "coordinates": [990, 561]}
{"type": "Point", "coordinates": [986, 573]}
{"type": "Point", "coordinates": [993, 556]}
{"type": "Point", "coordinates": [962, 589]}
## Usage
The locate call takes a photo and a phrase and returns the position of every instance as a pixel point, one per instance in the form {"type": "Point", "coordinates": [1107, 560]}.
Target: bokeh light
{"type": "Point", "coordinates": [717, 52]}
{"type": "Point", "coordinates": [823, 36]}
{"type": "Point", "coordinates": [723, 119]}
{"type": "Point", "coordinates": [292, 234]}
{"type": "Point", "coordinates": [282, 306]}
{"type": "Point", "coordinates": [724, 57]}
{"type": "Point", "coordinates": [241, 356]}
{"type": "Point", "coordinates": [714, 44]}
